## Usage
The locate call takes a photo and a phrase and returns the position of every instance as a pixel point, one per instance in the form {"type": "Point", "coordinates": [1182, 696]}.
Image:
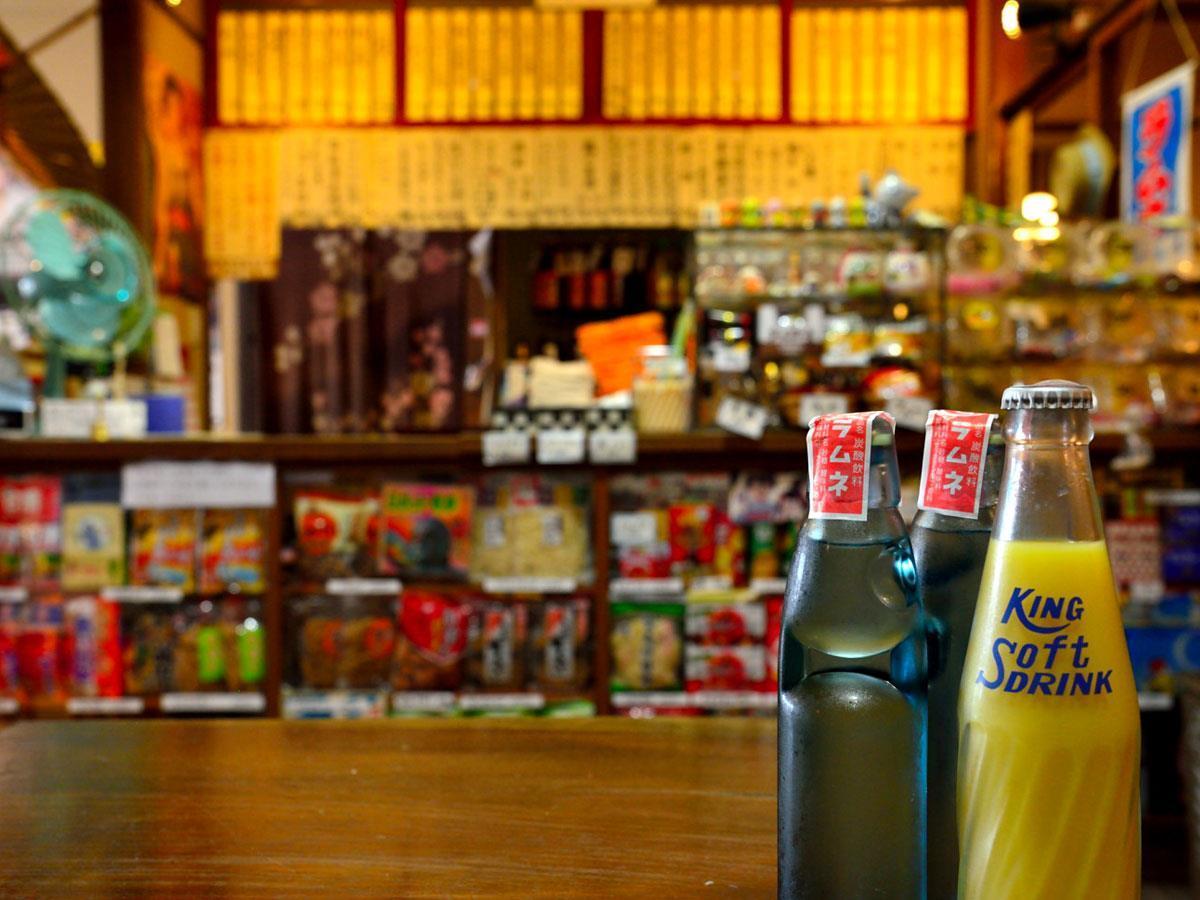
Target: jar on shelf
{"type": "Point", "coordinates": [662, 393]}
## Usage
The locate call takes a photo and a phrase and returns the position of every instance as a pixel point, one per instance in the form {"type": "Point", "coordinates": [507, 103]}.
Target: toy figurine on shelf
{"type": "Point", "coordinates": [893, 193]}
{"type": "Point", "coordinates": [837, 212]}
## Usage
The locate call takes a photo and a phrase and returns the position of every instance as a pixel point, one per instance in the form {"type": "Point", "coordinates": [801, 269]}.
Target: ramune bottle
{"type": "Point", "coordinates": [960, 481]}
{"type": "Point", "coordinates": [1049, 740]}
{"type": "Point", "coordinates": [852, 678]}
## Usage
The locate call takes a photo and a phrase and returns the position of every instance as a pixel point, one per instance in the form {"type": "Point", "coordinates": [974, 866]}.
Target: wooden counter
{"type": "Point", "coordinates": [556, 808]}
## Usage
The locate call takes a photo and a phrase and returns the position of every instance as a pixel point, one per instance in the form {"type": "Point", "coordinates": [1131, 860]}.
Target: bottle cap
{"type": "Point", "coordinates": [1054, 394]}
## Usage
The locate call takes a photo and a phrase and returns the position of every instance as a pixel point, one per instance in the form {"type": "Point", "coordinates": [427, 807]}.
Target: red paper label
{"type": "Point", "coordinates": [839, 455]}
{"type": "Point", "coordinates": [952, 470]}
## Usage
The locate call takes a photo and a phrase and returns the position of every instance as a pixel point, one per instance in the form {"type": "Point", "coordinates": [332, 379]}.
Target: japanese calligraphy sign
{"type": "Point", "coordinates": [1156, 147]}
{"type": "Point", "coordinates": [839, 464]}
{"type": "Point", "coordinates": [952, 470]}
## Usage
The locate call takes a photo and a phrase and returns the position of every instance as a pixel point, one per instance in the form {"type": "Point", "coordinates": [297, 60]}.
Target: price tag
{"type": "Point", "coordinates": [105, 706]}
{"type": "Point", "coordinates": [731, 357]}
{"type": "Point", "coordinates": [702, 584]}
{"type": "Point", "coordinates": [909, 412]}
{"type": "Point", "coordinates": [423, 701]}
{"type": "Point", "coordinates": [613, 446]}
{"type": "Point", "coordinates": [209, 485]}
{"type": "Point", "coordinates": [839, 452]}
{"type": "Point", "coordinates": [500, 702]}
{"type": "Point", "coordinates": [134, 593]}
{"type": "Point", "coordinates": [560, 446]}
{"type": "Point", "coordinates": [13, 594]}
{"type": "Point", "coordinates": [363, 587]}
{"type": "Point", "coordinates": [334, 705]}
{"type": "Point", "coordinates": [767, 587]}
{"type": "Point", "coordinates": [505, 448]}
{"type": "Point", "coordinates": [952, 468]}
{"type": "Point", "coordinates": [523, 584]}
{"type": "Point", "coordinates": [822, 404]}
{"type": "Point", "coordinates": [633, 529]}
{"type": "Point", "coordinates": [232, 702]}
{"type": "Point", "coordinates": [643, 588]}
{"type": "Point", "coordinates": [742, 417]}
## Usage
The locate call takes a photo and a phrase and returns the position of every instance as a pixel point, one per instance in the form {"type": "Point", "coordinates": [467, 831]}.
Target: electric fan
{"type": "Point", "coordinates": [77, 274]}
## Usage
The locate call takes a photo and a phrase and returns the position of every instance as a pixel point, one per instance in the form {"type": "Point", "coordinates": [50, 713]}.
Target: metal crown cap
{"type": "Point", "coordinates": [1053, 394]}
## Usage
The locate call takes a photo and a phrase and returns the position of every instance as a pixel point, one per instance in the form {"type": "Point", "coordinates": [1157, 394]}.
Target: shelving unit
{"type": "Point", "coordinates": [777, 451]}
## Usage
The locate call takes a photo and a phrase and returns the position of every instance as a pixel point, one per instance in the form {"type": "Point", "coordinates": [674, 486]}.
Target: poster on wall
{"type": "Point", "coordinates": [1156, 146]}
{"type": "Point", "coordinates": [174, 124]}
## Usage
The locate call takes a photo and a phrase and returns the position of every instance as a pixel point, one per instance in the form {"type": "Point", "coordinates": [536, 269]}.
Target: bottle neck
{"type": "Point", "coordinates": [989, 494]}
{"type": "Point", "coordinates": [884, 522]}
{"type": "Point", "coordinates": [1047, 491]}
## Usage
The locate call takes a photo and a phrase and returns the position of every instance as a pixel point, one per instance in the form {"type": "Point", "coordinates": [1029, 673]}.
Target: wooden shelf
{"type": "Point", "coordinates": [463, 448]}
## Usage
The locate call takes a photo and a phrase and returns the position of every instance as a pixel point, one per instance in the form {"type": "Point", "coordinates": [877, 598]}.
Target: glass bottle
{"type": "Point", "coordinates": [852, 683]}
{"type": "Point", "coordinates": [950, 543]}
{"type": "Point", "coordinates": [1049, 742]}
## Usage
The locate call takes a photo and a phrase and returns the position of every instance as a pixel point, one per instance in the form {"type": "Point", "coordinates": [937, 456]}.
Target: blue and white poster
{"type": "Point", "coordinates": [1156, 147]}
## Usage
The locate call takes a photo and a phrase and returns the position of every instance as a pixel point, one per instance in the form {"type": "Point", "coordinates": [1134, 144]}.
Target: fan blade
{"type": "Point", "coordinates": [52, 245]}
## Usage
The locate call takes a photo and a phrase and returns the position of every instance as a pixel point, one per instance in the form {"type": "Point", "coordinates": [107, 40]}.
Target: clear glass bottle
{"type": "Point", "coordinates": [1049, 741]}
{"type": "Point", "coordinates": [950, 551]}
{"type": "Point", "coordinates": [852, 701]}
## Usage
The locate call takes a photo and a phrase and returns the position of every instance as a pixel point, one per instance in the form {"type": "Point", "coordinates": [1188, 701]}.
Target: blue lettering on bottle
{"type": "Point", "coordinates": [1016, 605]}
{"type": "Point", "coordinates": [994, 683]}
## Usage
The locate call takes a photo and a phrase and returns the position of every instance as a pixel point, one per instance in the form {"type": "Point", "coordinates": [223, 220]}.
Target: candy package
{"type": "Point", "coordinates": [233, 551]}
{"type": "Point", "coordinates": [560, 645]}
{"type": "Point", "coordinates": [531, 525]}
{"type": "Point", "coordinates": [93, 648]}
{"type": "Point", "coordinates": [41, 653]}
{"type": "Point", "coordinates": [335, 533]}
{"type": "Point", "coordinates": [148, 635]}
{"type": "Point", "coordinates": [741, 667]}
{"type": "Point", "coordinates": [496, 654]}
{"type": "Point", "coordinates": [725, 624]}
{"type": "Point", "coordinates": [163, 548]}
{"type": "Point", "coordinates": [30, 531]}
{"type": "Point", "coordinates": [318, 629]}
{"type": "Point", "coordinates": [426, 530]}
{"type": "Point", "coordinates": [431, 642]}
{"type": "Point", "coordinates": [93, 546]}
{"type": "Point", "coordinates": [10, 679]}
{"type": "Point", "coordinates": [220, 647]}
{"type": "Point", "coordinates": [647, 646]}
{"type": "Point", "coordinates": [367, 642]}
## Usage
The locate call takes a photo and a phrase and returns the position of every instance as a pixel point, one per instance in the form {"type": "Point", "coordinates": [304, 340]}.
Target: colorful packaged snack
{"type": "Point", "coordinates": [233, 551]}
{"type": "Point", "coordinates": [725, 624]}
{"type": "Point", "coordinates": [148, 649]}
{"type": "Point", "coordinates": [163, 548]}
{"type": "Point", "coordinates": [10, 679]}
{"type": "Point", "coordinates": [725, 668]}
{"type": "Point", "coordinates": [93, 546]}
{"type": "Point", "coordinates": [496, 656]}
{"type": "Point", "coordinates": [335, 534]}
{"type": "Point", "coordinates": [533, 526]}
{"type": "Point", "coordinates": [647, 646]}
{"type": "Point", "coordinates": [367, 642]}
{"type": "Point", "coordinates": [764, 551]}
{"type": "Point", "coordinates": [774, 628]}
{"type": "Point", "coordinates": [560, 645]}
{"type": "Point", "coordinates": [729, 560]}
{"type": "Point", "coordinates": [93, 648]}
{"type": "Point", "coordinates": [41, 653]}
{"type": "Point", "coordinates": [30, 533]}
{"type": "Point", "coordinates": [320, 642]}
{"type": "Point", "coordinates": [246, 644]}
{"type": "Point", "coordinates": [431, 642]}
{"type": "Point", "coordinates": [693, 535]}
{"type": "Point", "coordinates": [426, 530]}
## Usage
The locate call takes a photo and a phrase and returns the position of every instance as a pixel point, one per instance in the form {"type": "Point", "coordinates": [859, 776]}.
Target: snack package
{"type": "Point", "coordinates": [232, 557]}
{"type": "Point", "coordinates": [41, 653]}
{"type": "Point", "coordinates": [647, 646]}
{"type": "Point", "coordinates": [93, 648]}
{"type": "Point", "coordinates": [10, 679]}
{"type": "Point", "coordinates": [767, 497]}
{"type": "Point", "coordinates": [693, 536]}
{"type": "Point", "coordinates": [725, 668]}
{"type": "Point", "coordinates": [30, 533]}
{"type": "Point", "coordinates": [431, 642]}
{"type": "Point", "coordinates": [725, 624]}
{"type": "Point", "coordinates": [774, 628]}
{"type": "Point", "coordinates": [560, 645]}
{"type": "Point", "coordinates": [531, 525]}
{"type": "Point", "coordinates": [496, 655]}
{"type": "Point", "coordinates": [367, 642]}
{"type": "Point", "coordinates": [640, 545]}
{"type": "Point", "coordinates": [93, 546]}
{"type": "Point", "coordinates": [320, 649]}
{"type": "Point", "coordinates": [426, 530]}
{"type": "Point", "coordinates": [148, 636]}
{"type": "Point", "coordinates": [220, 647]}
{"type": "Point", "coordinates": [729, 560]}
{"type": "Point", "coordinates": [764, 551]}
{"type": "Point", "coordinates": [336, 534]}
{"type": "Point", "coordinates": [163, 548]}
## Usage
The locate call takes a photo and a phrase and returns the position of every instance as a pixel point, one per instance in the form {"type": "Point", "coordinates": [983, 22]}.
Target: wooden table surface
{"type": "Point", "coordinates": [590, 807]}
